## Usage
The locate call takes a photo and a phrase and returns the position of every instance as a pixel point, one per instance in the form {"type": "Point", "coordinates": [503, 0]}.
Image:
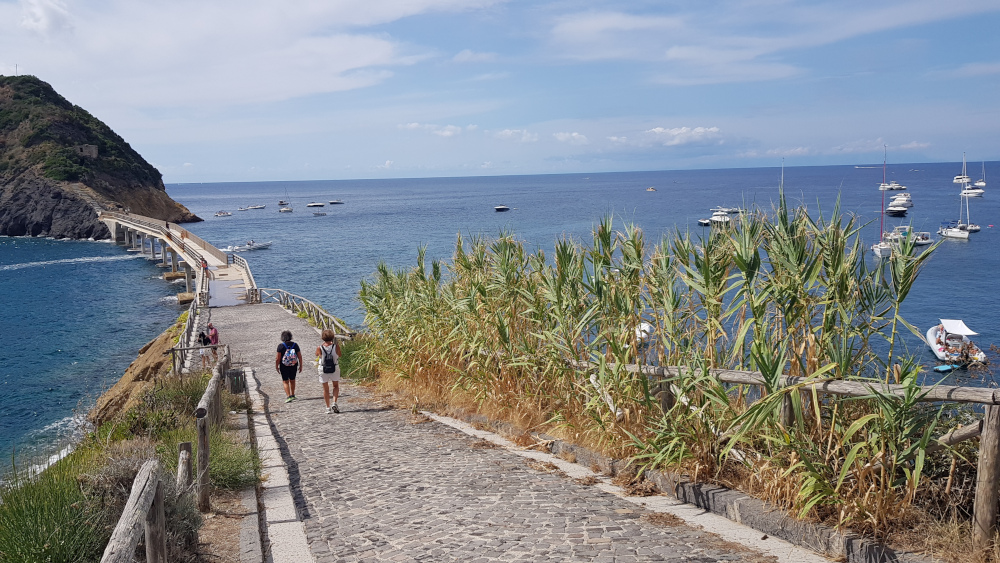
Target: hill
{"type": "Point", "coordinates": [59, 164]}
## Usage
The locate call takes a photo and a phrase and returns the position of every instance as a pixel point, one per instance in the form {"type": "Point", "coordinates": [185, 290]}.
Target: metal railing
{"type": "Point", "coordinates": [253, 294]}
{"type": "Point", "coordinates": [316, 315]}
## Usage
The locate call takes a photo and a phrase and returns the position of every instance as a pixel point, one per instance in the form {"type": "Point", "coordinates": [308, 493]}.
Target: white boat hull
{"type": "Point", "coordinates": [964, 353]}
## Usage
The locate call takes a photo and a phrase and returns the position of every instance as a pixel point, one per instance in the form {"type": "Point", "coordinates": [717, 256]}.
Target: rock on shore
{"type": "Point", "coordinates": [153, 361]}
{"type": "Point", "coordinates": [59, 165]}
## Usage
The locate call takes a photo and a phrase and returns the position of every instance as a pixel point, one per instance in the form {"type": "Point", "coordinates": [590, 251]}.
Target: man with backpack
{"type": "Point", "coordinates": [328, 367]}
{"type": "Point", "coordinates": [288, 362]}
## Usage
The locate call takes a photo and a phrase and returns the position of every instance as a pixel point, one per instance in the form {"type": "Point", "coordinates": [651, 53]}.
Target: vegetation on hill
{"type": "Point", "coordinates": [494, 330]}
{"type": "Point", "coordinates": [38, 127]}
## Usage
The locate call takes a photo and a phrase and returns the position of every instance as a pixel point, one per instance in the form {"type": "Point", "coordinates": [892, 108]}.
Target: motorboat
{"type": "Point", "coordinates": [922, 238]}
{"type": "Point", "coordinates": [882, 249]}
{"type": "Point", "coordinates": [243, 209]}
{"type": "Point", "coordinates": [719, 218]}
{"type": "Point", "coordinates": [223, 213]}
{"type": "Point", "coordinates": [952, 229]}
{"type": "Point", "coordinates": [250, 245]}
{"type": "Point", "coordinates": [501, 208]}
{"type": "Point", "coordinates": [315, 204]}
{"type": "Point", "coordinates": [949, 341]}
{"type": "Point", "coordinates": [894, 210]}
{"type": "Point", "coordinates": [282, 202]}
{"type": "Point", "coordinates": [650, 189]}
{"type": "Point", "coordinates": [903, 200]}
{"type": "Point", "coordinates": [285, 210]}
{"type": "Point", "coordinates": [319, 213]}
{"type": "Point", "coordinates": [256, 206]}
{"type": "Point", "coordinates": [726, 210]}
{"type": "Point", "coordinates": [705, 222]}
{"type": "Point", "coordinates": [336, 202]}
{"type": "Point", "coordinates": [891, 186]}
{"type": "Point", "coordinates": [899, 233]}
{"type": "Point", "coordinates": [972, 191]}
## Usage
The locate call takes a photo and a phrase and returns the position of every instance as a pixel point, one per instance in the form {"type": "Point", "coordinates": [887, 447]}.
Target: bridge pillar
{"type": "Point", "coordinates": [187, 277]}
{"type": "Point", "coordinates": [163, 252]}
{"type": "Point", "coordinates": [173, 260]}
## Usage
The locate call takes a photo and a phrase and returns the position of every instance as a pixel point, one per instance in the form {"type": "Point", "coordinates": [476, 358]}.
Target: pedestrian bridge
{"type": "Point", "coordinates": [226, 279]}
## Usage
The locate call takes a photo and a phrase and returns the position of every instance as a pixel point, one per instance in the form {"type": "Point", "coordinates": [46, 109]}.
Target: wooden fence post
{"type": "Point", "coordinates": [184, 466]}
{"type": "Point", "coordinates": [203, 504]}
{"type": "Point", "coordinates": [984, 519]}
{"type": "Point", "coordinates": [156, 529]}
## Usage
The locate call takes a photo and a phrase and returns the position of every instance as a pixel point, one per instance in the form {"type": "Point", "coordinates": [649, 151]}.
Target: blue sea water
{"type": "Point", "coordinates": [323, 258]}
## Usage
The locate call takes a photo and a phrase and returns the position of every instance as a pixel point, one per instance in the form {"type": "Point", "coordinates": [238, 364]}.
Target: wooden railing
{"type": "Point", "coordinates": [209, 415]}
{"type": "Point", "coordinates": [144, 509]}
{"type": "Point", "coordinates": [987, 497]}
{"type": "Point", "coordinates": [316, 315]}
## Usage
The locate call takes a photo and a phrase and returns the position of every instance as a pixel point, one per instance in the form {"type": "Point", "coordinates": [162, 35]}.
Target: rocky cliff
{"type": "Point", "coordinates": [59, 164]}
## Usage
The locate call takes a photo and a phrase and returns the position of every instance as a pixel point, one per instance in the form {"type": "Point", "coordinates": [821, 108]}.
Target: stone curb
{"type": "Point", "coordinates": [284, 537]}
{"type": "Point", "coordinates": [734, 505]}
{"type": "Point", "coordinates": [250, 530]}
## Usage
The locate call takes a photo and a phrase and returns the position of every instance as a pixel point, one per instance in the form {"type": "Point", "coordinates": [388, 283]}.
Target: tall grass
{"type": "Point", "coordinates": [781, 293]}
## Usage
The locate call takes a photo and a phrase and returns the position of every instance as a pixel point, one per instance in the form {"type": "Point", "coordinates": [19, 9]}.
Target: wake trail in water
{"type": "Point", "coordinates": [85, 260]}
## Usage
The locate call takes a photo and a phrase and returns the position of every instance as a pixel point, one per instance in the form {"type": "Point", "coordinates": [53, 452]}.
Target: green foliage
{"type": "Point", "coordinates": [779, 293]}
{"type": "Point", "coordinates": [46, 517]}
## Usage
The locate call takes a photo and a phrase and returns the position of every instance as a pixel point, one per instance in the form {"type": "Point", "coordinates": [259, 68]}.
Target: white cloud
{"type": "Point", "coordinates": [914, 145]}
{"type": "Point", "coordinates": [573, 138]}
{"type": "Point", "coordinates": [522, 135]}
{"type": "Point", "coordinates": [682, 135]}
{"type": "Point", "coordinates": [45, 16]}
{"type": "Point", "coordinates": [468, 56]}
{"type": "Point", "coordinates": [615, 139]}
{"type": "Point", "coordinates": [447, 131]}
{"type": "Point", "coordinates": [386, 166]}
{"type": "Point", "coordinates": [860, 145]}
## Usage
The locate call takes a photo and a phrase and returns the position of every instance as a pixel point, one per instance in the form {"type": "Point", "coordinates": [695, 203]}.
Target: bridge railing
{"type": "Point", "coordinates": [253, 294]}
{"type": "Point", "coordinates": [316, 315]}
{"type": "Point", "coordinates": [209, 414]}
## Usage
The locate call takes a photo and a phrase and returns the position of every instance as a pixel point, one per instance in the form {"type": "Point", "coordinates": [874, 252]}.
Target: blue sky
{"type": "Point", "coordinates": [265, 90]}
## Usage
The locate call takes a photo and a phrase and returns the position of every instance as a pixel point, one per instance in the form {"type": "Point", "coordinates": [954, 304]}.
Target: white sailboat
{"type": "Point", "coordinates": [962, 178]}
{"type": "Point", "coordinates": [981, 183]}
{"type": "Point", "coordinates": [968, 225]}
{"type": "Point", "coordinates": [883, 248]}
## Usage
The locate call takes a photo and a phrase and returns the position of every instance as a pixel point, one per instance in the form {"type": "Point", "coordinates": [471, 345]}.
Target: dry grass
{"type": "Point", "coordinates": [544, 467]}
{"type": "Point", "coordinates": [483, 445]}
{"type": "Point", "coordinates": [588, 480]}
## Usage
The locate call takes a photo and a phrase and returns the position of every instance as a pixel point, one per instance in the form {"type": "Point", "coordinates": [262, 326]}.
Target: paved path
{"type": "Point", "coordinates": [378, 484]}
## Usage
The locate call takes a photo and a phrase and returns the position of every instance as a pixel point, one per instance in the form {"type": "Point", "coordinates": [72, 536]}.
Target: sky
{"type": "Point", "coordinates": [247, 90]}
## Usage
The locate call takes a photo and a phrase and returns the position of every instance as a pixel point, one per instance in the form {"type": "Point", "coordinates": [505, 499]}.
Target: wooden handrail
{"type": "Point", "coordinates": [143, 509]}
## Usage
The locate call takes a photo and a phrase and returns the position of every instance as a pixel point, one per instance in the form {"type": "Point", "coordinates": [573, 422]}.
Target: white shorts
{"type": "Point", "coordinates": [328, 377]}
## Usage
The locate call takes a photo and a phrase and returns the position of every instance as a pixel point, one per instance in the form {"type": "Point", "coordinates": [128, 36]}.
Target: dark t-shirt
{"type": "Point", "coordinates": [298, 351]}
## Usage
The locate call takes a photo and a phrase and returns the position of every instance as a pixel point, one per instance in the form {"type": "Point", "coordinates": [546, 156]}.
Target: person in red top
{"type": "Point", "coordinates": [213, 336]}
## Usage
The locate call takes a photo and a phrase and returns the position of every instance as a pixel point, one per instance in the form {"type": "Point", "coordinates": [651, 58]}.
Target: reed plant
{"type": "Point", "coordinates": [780, 292]}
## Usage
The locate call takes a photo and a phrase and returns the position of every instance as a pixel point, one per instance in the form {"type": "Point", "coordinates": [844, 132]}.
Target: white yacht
{"type": "Point", "coordinates": [315, 204]}
{"type": "Point", "coordinates": [902, 200]}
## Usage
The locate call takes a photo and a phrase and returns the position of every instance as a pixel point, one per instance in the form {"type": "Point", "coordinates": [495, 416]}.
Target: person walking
{"type": "Point", "coordinates": [288, 362]}
{"type": "Point", "coordinates": [213, 336]}
{"type": "Point", "coordinates": [204, 341]}
{"type": "Point", "coordinates": [328, 366]}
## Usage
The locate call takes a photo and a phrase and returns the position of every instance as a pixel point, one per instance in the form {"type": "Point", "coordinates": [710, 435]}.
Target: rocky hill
{"type": "Point", "coordinates": [59, 164]}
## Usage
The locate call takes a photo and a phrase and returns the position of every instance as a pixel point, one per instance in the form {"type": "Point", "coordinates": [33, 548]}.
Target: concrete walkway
{"type": "Point", "coordinates": [378, 484]}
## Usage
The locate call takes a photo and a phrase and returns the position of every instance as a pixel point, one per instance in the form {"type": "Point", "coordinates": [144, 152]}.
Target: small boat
{"type": "Point", "coordinates": [650, 189]}
{"type": "Point", "coordinates": [282, 202]}
{"type": "Point", "coordinates": [705, 222]}
{"type": "Point", "coordinates": [952, 229]}
{"type": "Point", "coordinates": [256, 206]}
{"type": "Point", "coordinates": [981, 183]}
{"type": "Point", "coordinates": [720, 218]}
{"type": "Point", "coordinates": [319, 213]}
{"type": "Point", "coordinates": [726, 210]}
{"type": "Point", "coordinates": [250, 245]}
{"type": "Point", "coordinates": [285, 210]}
{"type": "Point", "coordinates": [949, 341]}
{"type": "Point", "coordinates": [243, 209]}
{"type": "Point", "coordinates": [501, 208]}
{"type": "Point", "coordinates": [882, 249]}
{"type": "Point", "coordinates": [223, 213]}
{"type": "Point", "coordinates": [894, 210]}
{"type": "Point", "coordinates": [315, 204]}
{"type": "Point", "coordinates": [968, 225]}
{"type": "Point", "coordinates": [902, 200]}
{"type": "Point", "coordinates": [900, 232]}
{"type": "Point", "coordinates": [336, 202]}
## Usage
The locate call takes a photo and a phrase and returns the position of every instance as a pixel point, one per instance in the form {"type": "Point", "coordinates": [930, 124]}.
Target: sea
{"type": "Point", "coordinates": [75, 313]}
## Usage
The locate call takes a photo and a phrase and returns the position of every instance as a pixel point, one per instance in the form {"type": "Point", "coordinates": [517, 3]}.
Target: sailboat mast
{"type": "Point", "coordinates": [881, 217]}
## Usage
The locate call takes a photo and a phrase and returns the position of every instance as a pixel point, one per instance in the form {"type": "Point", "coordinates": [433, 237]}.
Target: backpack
{"type": "Point", "coordinates": [290, 358]}
{"type": "Point", "coordinates": [329, 362]}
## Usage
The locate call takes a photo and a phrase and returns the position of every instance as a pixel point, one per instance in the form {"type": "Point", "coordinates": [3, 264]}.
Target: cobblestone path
{"type": "Point", "coordinates": [380, 484]}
